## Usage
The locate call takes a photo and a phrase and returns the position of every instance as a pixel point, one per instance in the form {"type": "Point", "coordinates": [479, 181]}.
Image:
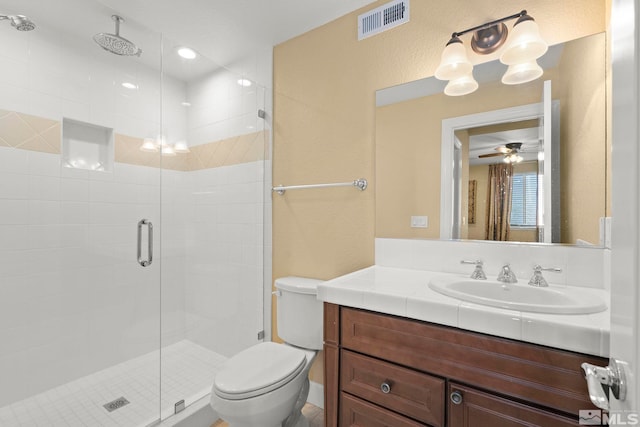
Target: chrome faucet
{"type": "Point", "coordinates": [507, 275]}
{"type": "Point", "coordinates": [537, 279]}
{"type": "Point", "coordinates": [478, 273]}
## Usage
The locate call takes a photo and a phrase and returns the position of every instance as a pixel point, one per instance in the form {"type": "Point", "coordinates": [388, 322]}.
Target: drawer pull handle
{"type": "Point", "coordinates": [456, 397]}
{"type": "Point", "coordinates": [385, 387]}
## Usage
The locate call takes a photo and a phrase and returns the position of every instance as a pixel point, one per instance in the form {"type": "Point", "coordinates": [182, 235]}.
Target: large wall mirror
{"type": "Point", "coordinates": [441, 157]}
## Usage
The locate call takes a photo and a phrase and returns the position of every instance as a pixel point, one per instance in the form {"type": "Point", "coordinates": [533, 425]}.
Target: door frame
{"type": "Point", "coordinates": [450, 126]}
{"type": "Point", "coordinates": [625, 229]}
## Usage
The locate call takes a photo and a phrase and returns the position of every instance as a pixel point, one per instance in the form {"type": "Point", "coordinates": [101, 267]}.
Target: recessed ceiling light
{"type": "Point", "coordinates": [187, 53]}
{"type": "Point", "coordinates": [129, 85]}
{"type": "Point", "coordinates": [244, 82]}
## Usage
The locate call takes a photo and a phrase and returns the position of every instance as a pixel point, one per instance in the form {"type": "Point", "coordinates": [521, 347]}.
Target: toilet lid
{"type": "Point", "coordinates": [258, 370]}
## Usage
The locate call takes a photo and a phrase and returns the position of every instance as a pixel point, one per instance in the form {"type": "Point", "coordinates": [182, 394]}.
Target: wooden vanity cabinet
{"type": "Point", "coordinates": [477, 408]}
{"type": "Point", "coordinates": [383, 370]}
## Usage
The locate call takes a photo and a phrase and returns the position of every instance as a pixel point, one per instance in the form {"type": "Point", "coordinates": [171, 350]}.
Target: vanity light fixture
{"type": "Point", "coordinates": [522, 73]}
{"type": "Point", "coordinates": [520, 53]}
{"type": "Point", "coordinates": [149, 146]}
{"type": "Point", "coordinates": [181, 147]}
{"type": "Point", "coordinates": [159, 143]}
{"type": "Point", "coordinates": [167, 150]}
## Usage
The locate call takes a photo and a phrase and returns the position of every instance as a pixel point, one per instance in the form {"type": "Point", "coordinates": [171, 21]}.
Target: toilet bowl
{"type": "Point", "coordinates": [261, 385]}
{"type": "Point", "coordinates": [267, 384]}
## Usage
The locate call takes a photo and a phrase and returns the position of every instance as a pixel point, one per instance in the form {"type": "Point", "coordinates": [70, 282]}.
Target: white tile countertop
{"type": "Point", "coordinates": [405, 292]}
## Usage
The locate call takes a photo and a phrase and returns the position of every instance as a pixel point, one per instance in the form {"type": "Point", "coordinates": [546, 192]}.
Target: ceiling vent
{"type": "Point", "coordinates": [383, 18]}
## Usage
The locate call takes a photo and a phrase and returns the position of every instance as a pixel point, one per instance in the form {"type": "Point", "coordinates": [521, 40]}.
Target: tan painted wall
{"type": "Point", "coordinates": [408, 145]}
{"type": "Point", "coordinates": [583, 153]}
{"type": "Point", "coordinates": [324, 119]}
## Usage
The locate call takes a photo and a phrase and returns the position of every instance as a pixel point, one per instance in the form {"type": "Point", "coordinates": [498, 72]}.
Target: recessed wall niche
{"type": "Point", "coordinates": [87, 146]}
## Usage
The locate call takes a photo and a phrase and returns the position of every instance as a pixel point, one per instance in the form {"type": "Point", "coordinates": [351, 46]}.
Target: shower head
{"type": "Point", "coordinates": [114, 43]}
{"type": "Point", "coordinates": [19, 22]}
{"type": "Point", "coordinates": [22, 23]}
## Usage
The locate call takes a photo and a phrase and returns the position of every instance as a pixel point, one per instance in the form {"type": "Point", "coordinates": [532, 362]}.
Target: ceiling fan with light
{"type": "Point", "coordinates": [509, 151]}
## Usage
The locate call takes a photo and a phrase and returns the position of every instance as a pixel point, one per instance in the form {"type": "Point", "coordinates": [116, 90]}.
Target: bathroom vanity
{"type": "Point", "coordinates": [385, 366]}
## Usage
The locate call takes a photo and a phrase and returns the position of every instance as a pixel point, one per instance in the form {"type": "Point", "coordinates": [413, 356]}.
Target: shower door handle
{"type": "Point", "coordinates": [145, 262]}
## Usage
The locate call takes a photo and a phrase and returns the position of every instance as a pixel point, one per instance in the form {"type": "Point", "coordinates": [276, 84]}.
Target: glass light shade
{"type": "Point", "coordinates": [454, 63]}
{"type": "Point", "coordinates": [181, 147]}
{"type": "Point", "coordinates": [524, 44]}
{"type": "Point", "coordinates": [522, 73]}
{"type": "Point", "coordinates": [168, 150]}
{"type": "Point", "coordinates": [149, 146]}
{"type": "Point", "coordinates": [513, 158]}
{"type": "Point", "coordinates": [461, 86]}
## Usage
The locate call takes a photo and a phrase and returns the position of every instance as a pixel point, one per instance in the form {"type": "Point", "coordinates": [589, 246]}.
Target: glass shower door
{"type": "Point", "coordinates": [132, 204]}
{"type": "Point", "coordinates": [79, 315]}
{"type": "Point", "coordinates": [213, 203]}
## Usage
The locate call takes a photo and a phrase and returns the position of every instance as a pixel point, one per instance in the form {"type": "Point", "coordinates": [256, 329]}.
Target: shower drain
{"type": "Point", "coordinates": [116, 404]}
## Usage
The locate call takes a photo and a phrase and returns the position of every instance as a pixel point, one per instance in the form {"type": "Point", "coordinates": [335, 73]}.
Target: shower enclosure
{"type": "Point", "coordinates": [132, 204]}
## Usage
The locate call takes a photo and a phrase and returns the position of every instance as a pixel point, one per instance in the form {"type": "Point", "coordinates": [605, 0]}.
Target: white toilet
{"type": "Point", "coordinates": [267, 385]}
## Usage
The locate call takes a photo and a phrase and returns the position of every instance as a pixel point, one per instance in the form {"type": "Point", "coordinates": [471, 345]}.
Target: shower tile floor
{"type": "Point", "coordinates": [187, 373]}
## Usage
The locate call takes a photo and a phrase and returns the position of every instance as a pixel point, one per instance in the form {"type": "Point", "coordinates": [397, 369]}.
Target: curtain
{"type": "Point", "coordinates": [499, 202]}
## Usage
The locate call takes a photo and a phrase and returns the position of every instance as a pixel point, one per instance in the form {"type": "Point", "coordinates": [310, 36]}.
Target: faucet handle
{"type": "Point", "coordinates": [537, 279]}
{"type": "Point", "coordinates": [478, 272]}
{"type": "Point", "coordinates": [539, 268]}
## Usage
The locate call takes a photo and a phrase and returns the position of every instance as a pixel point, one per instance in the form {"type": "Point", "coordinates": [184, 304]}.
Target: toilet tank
{"type": "Point", "coordinates": [299, 312]}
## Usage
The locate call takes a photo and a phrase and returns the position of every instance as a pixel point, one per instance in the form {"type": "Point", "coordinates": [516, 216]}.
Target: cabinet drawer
{"type": "Point", "coordinates": [412, 393]}
{"type": "Point", "coordinates": [478, 409]}
{"type": "Point", "coordinates": [541, 375]}
{"type": "Point", "coordinates": [358, 413]}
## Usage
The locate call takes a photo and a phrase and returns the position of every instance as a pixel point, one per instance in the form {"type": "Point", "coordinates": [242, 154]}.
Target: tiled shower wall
{"type": "Point", "coordinates": [72, 297]}
{"type": "Point", "coordinates": [224, 266]}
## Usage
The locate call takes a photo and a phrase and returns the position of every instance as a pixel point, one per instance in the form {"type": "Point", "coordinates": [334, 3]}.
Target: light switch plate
{"type": "Point", "coordinates": [419, 221]}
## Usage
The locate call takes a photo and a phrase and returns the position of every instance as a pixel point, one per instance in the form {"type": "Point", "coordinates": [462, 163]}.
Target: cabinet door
{"type": "Point", "coordinates": [408, 392]}
{"type": "Point", "coordinates": [475, 408]}
{"type": "Point", "coordinates": [359, 413]}
{"type": "Point", "coordinates": [543, 376]}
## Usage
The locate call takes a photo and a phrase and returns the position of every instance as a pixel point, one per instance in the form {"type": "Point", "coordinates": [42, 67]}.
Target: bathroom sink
{"type": "Point", "coordinates": [520, 296]}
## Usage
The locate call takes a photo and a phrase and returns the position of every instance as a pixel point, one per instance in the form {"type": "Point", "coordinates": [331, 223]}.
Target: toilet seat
{"type": "Point", "coordinates": [258, 370]}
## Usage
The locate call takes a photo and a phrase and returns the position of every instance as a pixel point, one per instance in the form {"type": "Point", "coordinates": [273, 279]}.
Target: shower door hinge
{"type": "Point", "coordinates": [262, 114]}
{"type": "Point", "coordinates": [179, 406]}
{"type": "Point", "coordinates": [261, 335]}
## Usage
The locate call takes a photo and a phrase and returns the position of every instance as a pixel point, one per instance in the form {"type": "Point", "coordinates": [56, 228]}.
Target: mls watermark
{"type": "Point", "coordinates": [596, 417]}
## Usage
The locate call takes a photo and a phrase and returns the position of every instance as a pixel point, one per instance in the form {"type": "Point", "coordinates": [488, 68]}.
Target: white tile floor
{"type": "Point", "coordinates": [187, 373]}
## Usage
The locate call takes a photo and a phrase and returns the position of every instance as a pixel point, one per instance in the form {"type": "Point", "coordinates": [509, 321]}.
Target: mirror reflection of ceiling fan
{"type": "Point", "coordinates": [509, 151]}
